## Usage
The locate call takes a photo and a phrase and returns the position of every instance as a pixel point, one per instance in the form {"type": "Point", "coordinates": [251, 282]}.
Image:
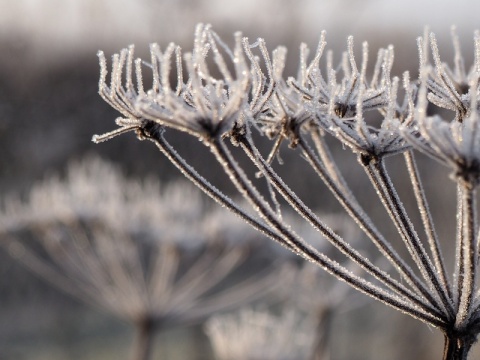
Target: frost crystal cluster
{"type": "Point", "coordinates": [226, 95]}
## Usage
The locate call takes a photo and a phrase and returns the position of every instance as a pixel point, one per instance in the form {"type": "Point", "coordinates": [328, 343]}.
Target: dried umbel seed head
{"type": "Point", "coordinates": [304, 110]}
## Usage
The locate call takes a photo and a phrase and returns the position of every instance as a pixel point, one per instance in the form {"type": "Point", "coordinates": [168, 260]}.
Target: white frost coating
{"type": "Point", "coordinates": [252, 94]}
{"type": "Point", "coordinates": [254, 334]}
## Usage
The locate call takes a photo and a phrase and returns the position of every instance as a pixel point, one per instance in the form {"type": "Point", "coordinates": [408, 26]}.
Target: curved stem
{"type": "Point", "coordinates": [154, 132]}
{"type": "Point", "coordinates": [243, 184]}
{"type": "Point", "coordinates": [337, 185]}
{"type": "Point", "coordinates": [273, 226]}
{"type": "Point", "coordinates": [329, 163]}
{"type": "Point", "coordinates": [336, 240]}
{"type": "Point", "coordinates": [385, 189]}
{"type": "Point", "coordinates": [427, 220]}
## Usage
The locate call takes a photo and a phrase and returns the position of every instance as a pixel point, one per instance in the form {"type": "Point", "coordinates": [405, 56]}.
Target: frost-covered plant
{"type": "Point", "coordinates": [261, 335]}
{"type": "Point", "coordinates": [224, 95]}
{"type": "Point", "coordinates": [151, 254]}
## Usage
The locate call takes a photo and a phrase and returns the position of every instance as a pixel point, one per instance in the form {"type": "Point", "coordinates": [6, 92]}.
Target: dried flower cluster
{"type": "Point", "coordinates": [222, 95]}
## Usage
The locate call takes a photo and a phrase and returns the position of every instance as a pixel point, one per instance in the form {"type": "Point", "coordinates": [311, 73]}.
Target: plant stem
{"type": "Point", "coordinates": [338, 242]}
{"type": "Point", "coordinates": [457, 346]}
{"type": "Point", "coordinates": [143, 346]}
{"type": "Point", "coordinates": [243, 184]}
{"type": "Point", "coordinates": [154, 133]}
{"type": "Point", "coordinates": [427, 220]}
{"type": "Point", "coordinates": [323, 334]}
{"type": "Point", "coordinates": [468, 266]}
{"type": "Point", "coordinates": [379, 177]}
{"type": "Point", "coordinates": [337, 185]}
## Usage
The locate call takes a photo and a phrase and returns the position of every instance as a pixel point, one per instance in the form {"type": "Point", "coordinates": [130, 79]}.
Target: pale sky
{"type": "Point", "coordinates": [64, 26]}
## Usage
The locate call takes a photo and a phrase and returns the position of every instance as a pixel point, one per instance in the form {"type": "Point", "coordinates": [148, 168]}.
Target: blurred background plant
{"type": "Point", "coordinates": [158, 256]}
{"type": "Point", "coordinates": [319, 296]}
{"type": "Point", "coordinates": [297, 326]}
{"type": "Point", "coordinates": [252, 334]}
{"type": "Point", "coordinates": [155, 256]}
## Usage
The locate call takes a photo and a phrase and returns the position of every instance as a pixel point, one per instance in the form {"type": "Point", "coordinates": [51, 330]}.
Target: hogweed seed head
{"type": "Point", "coordinates": [251, 92]}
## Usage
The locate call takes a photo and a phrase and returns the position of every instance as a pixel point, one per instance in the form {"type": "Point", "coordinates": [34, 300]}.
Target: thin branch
{"type": "Point", "coordinates": [337, 241]}
{"type": "Point", "coordinates": [354, 209]}
{"type": "Point", "coordinates": [469, 250]}
{"type": "Point", "coordinates": [239, 179]}
{"type": "Point", "coordinates": [459, 244]}
{"type": "Point", "coordinates": [427, 221]}
{"type": "Point", "coordinates": [154, 133]}
{"type": "Point", "coordinates": [329, 165]}
{"type": "Point", "coordinates": [383, 185]}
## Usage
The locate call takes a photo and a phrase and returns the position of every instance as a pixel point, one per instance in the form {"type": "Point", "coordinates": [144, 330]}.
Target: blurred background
{"type": "Point", "coordinates": [49, 110]}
